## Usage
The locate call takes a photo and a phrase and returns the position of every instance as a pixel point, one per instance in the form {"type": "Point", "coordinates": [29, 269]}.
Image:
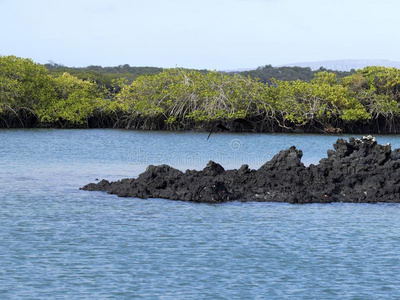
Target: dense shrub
{"type": "Point", "coordinates": [185, 99]}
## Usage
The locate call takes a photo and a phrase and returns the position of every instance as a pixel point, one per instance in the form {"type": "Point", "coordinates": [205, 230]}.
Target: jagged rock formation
{"type": "Point", "coordinates": [358, 170]}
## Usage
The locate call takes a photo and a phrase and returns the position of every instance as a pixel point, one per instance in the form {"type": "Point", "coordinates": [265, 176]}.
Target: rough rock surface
{"type": "Point", "coordinates": [358, 170]}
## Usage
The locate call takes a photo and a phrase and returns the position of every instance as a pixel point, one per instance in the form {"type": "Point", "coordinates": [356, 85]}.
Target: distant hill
{"type": "Point", "coordinates": [346, 64]}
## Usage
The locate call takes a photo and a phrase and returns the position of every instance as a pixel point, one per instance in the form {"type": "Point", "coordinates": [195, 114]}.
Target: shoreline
{"type": "Point", "coordinates": [229, 126]}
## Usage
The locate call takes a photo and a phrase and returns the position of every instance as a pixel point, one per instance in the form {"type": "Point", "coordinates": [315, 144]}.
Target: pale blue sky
{"type": "Point", "coordinates": [212, 34]}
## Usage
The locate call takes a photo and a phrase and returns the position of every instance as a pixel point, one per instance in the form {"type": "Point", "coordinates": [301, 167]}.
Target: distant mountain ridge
{"type": "Point", "coordinates": [346, 64]}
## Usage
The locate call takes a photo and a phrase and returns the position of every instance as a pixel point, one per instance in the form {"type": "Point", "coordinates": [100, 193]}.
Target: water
{"type": "Point", "coordinates": [58, 242]}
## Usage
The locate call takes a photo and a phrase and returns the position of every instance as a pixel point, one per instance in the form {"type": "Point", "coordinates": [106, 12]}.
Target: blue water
{"type": "Point", "coordinates": [57, 242]}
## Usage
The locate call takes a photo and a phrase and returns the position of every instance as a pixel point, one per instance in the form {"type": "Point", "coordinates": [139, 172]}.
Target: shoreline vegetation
{"type": "Point", "coordinates": [297, 100]}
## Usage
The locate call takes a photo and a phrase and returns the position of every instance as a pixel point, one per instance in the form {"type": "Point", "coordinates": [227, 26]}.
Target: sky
{"type": "Point", "coordinates": [201, 34]}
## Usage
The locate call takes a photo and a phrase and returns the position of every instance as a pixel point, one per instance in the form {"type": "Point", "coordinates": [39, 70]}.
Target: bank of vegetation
{"type": "Point", "coordinates": [267, 73]}
{"type": "Point", "coordinates": [367, 100]}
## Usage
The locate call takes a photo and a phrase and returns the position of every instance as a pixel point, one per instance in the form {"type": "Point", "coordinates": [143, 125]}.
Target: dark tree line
{"type": "Point", "coordinates": [266, 73]}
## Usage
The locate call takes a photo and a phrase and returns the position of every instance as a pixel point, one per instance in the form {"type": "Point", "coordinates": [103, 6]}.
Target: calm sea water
{"type": "Point", "coordinates": [58, 242]}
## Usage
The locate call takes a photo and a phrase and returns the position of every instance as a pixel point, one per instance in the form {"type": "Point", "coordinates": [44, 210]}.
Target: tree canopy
{"type": "Point", "coordinates": [178, 99]}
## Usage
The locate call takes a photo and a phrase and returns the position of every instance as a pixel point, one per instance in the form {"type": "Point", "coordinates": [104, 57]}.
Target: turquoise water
{"type": "Point", "coordinates": [58, 242]}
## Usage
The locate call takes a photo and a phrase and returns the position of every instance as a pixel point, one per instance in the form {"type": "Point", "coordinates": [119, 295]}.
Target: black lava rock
{"type": "Point", "coordinates": [358, 170]}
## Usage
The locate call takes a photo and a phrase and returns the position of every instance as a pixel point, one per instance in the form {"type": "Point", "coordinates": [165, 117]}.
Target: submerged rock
{"type": "Point", "coordinates": [358, 170]}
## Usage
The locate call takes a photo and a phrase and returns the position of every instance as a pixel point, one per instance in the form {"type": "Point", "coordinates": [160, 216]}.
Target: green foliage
{"type": "Point", "coordinates": [378, 90]}
{"type": "Point", "coordinates": [267, 73]}
{"type": "Point", "coordinates": [178, 98]}
{"type": "Point", "coordinates": [28, 91]}
{"type": "Point", "coordinates": [322, 100]}
{"type": "Point", "coordinates": [76, 100]}
{"type": "Point", "coordinates": [179, 95]}
{"type": "Point", "coordinates": [23, 85]}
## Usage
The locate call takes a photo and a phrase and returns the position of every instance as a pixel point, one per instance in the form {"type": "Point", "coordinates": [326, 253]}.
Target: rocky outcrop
{"type": "Point", "coordinates": [358, 170]}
